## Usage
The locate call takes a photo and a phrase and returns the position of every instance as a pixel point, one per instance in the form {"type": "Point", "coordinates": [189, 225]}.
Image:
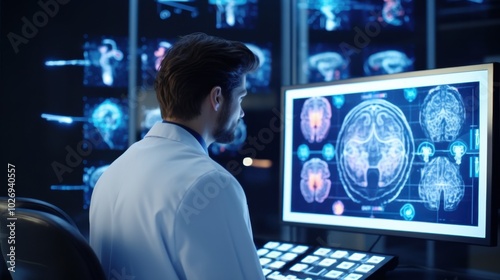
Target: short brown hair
{"type": "Point", "coordinates": [193, 66]}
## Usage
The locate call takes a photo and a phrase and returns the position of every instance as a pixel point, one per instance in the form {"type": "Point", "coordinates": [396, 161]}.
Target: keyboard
{"type": "Point", "coordinates": [284, 260]}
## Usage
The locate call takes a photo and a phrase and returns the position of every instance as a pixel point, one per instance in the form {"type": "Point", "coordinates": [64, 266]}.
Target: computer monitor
{"type": "Point", "coordinates": [409, 154]}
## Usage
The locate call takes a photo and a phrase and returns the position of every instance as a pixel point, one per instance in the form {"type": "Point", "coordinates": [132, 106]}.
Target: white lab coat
{"type": "Point", "coordinates": [165, 210]}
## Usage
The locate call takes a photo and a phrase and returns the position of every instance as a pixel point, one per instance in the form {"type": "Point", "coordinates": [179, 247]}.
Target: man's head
{"type": "Point", "coordinates": [194, 66]}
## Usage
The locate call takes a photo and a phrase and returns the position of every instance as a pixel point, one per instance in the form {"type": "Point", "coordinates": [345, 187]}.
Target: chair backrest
{"type": "Point", "coordinates": [46, 247]}
{"type": "Point", "coordinates": [37, 204]}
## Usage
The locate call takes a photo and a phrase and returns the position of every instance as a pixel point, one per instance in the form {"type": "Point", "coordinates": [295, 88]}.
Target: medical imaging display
{"type": "Point", "coordinates": [107, 128]}
{"type": "Point", "coordinates": [326, 63]}
{"type": "Point", "coordinates": [399, 154]}
{"type": "Point", "coordinates": [387, 60]}
{"type": "Point", "coordinates": [91, 172]}
{"type": "Point", "coordinates": [333, 15]}
{"type": "Point", "coordinates": [152, 52]}
{"type": "Point", "coordinates": [104, 62]}
{"type": "Point", "coordinates": [241, 14]}
{"type": "Point", "coordinates": [149, 116]}
{"type": "Point", "coordinates": [259, 80]}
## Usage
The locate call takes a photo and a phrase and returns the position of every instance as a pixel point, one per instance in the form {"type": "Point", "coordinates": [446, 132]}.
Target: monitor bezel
{"type": "Point", "coordinates": [493, 154]}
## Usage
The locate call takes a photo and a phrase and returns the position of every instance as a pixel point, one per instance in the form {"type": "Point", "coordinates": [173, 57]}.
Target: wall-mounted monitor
{"type": "Point", "coordinates": [409, 154]}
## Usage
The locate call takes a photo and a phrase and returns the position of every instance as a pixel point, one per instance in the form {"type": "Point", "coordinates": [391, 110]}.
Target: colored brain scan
{"type": "Point", "coordinates": [315, 119]}
{"type": "Point", "coordinates": [375, 152]}
{"type": "Point", "coordinates": [315, 180]}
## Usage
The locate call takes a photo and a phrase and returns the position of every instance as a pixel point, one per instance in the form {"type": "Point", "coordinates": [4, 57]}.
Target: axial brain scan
{"type": "Point", "coordinates": [315, 119]}
{"type": "Point", "coordinates": [442, 114]}
{"type": "Point", "coordinates": [375, 152]}
{"type": "Point", "coordinates": [315, 183]}
{"type": "Point", "coordinates": [441, 176]}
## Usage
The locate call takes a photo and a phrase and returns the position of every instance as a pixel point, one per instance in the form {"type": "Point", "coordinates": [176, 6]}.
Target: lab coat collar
{"type": "Point", "coordinates": [177, 132]}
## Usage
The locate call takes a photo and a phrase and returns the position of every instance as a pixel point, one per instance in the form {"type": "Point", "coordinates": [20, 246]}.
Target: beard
{"type": "Point", "coordinates": [224, 134]}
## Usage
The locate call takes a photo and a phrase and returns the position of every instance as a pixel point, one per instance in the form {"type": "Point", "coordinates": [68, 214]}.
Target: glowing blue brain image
{"type": "Point", "coordinates": [315, 180]}
{"type": "Point", "coordinates": [387, 62]}
{"type": "Point", "coordinates": [442, 114]}
{"type": "Point", "coordinates": [393, 12]}
{"type": "Point", "coordinates": [315, 119]}
{"type": "Point", "coordinates": [375, 152]}
{"type": "Point", "coordinates": [440, 176]}
{"type": "Point", "coordinates": [329, 64]}
{"type": "Point", "coordinates": [106, 118]}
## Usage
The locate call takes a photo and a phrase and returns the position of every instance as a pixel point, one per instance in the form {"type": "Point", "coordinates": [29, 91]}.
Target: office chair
{"type": "Point", "coordinates": [37, 204]}
{"type": "Point", "coordinates": [47, 247]}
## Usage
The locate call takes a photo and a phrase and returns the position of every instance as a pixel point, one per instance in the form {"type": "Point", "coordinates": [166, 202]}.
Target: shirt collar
{"type": "Point", "coordinates": [193, 132]}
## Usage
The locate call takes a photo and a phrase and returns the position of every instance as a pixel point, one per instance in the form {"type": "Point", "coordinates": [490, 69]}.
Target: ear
{"type": "Point", "coordinates": [216, 98]}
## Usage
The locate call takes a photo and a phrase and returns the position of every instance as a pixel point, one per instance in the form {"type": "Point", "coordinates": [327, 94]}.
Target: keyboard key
{"type": "Point", "coordinates": [288, 257]}
{"type": "Point", "coordinates": [345, 265]}
{"type": "Point", "coordinates": [310, 259]}
{"type": "Point", "coordinates": [375, 259]}
{"type": "Point", "coordinates": [357, 257]}
{"type": "Point", "coordinates": [273, 254]}
{"type": "Point", "coordinates": [266, 271]}
{"type": "Point", "coordinates": [364, 268]}
{"type": "Point", "coordinates": [334, 274]}
{"type": "Point", "coordinates": [300, 249]}
{"type": "Point", "coordinates": [271, 245]}
{"type": "Point", "coordinates": [339, 254]}
{"type": "Point", "coordinates": [327, 262]}
{"type": "Point", "coordinates": [322, 251]}
{"type": "Point", "coordinates": [264, 261]}
{"type": "Point", "coordinates": [284, 247]}
{"type": "Point", "coordinates": [261, 252]}
{"type": "Point", "coordinates": [277, 264]}
{"type": "Point", "coordinates": [298, 267]}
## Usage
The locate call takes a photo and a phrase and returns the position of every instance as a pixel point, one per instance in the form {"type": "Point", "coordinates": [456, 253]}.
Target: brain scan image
{"type": "Point", "coordinates": [387, 62]}
{"type": "Point", "coordinates": [315, 180]}
{"type": "Point", "coordinates": [375, 152]}
{"type": "Point", "coordinates": [149, 118]}
{"type": "Point", "coordinates": [441, 178]}
{"type": "Point", "coordinates": [151, 53]}
{"type": "Point", "coordinates": [315, 119]}
{"type": "Point", "coordinates": [104, 62]}
{"type": "Point", "coordinates": [393, 12]}
{"type": "Point", "coordinates": [329, 64]}
{"type": "Point", "coordinates": [234, 13]}
{"type": "Point", "coordinates": [442, 114]}
{"type": "Point", "coordinates": [108, 123]}
{"type": "Point", "coordinates": [259, 80]}
{"type": "Point", "coordinates": [458, 150]}
{"type": "Point", "coordinates": [328, 15]}
{"type": "Point", "coordinates": [426, 150]}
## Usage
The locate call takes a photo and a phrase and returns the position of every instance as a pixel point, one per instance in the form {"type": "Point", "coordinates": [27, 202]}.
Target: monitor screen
{"type": "Point", "coordinates": [408, 154]}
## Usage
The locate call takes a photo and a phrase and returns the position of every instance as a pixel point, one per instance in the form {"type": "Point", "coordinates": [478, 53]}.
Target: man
{"type": "Point", "coordinates": [164, 209]}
